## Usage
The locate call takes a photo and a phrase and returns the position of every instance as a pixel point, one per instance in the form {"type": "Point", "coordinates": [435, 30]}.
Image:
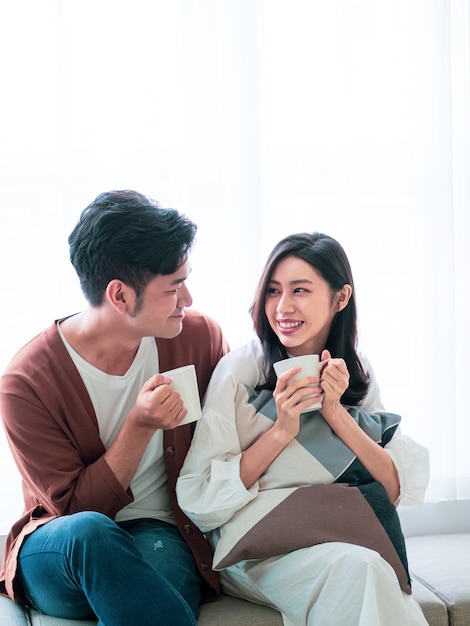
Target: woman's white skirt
{"type": "Point", "coordinates": [331, 584]}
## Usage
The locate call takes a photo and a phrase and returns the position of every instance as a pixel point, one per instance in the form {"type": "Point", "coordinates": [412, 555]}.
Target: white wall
{"type": "Point", "coordinates": [436, 518]}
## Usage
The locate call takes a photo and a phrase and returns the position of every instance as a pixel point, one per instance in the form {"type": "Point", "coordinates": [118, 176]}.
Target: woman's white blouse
{"type": "Point", "coordinates": [210, 489]}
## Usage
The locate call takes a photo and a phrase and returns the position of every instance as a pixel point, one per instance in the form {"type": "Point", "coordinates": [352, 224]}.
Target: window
{"type": "Point", "coordinates": [257, 119]}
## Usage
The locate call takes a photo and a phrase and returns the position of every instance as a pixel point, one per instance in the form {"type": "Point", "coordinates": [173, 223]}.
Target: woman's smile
{"type": "Point", "coordinates": [288, 327]}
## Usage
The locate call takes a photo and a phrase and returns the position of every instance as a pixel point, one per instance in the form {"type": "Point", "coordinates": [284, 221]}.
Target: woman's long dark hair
{"type": "Point", "coordinates": [328, 258]}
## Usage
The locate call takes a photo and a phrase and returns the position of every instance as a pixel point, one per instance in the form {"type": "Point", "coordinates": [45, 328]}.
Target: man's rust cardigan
{"type": "Point", "coordinates": [52, 429]}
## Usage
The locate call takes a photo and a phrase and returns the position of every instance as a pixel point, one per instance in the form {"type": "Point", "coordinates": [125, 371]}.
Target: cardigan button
{"type": "Point", "coordinates": [188, 529]}
{"type": "Point", "coordinates": [204, 566]}
{"type": "Point", "coordinates": [171, 450]}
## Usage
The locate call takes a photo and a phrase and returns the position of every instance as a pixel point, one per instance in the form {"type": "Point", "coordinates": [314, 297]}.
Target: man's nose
{"type": "Point", "coordinates": [185, 298]}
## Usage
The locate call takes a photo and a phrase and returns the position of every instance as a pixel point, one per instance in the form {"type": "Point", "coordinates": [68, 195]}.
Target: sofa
{"type": "Point", "coordinates": [439, 567]}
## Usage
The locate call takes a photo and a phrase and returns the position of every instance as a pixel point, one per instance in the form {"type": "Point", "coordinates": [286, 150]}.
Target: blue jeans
{"type": "Point", "coordinates": [86, 566]}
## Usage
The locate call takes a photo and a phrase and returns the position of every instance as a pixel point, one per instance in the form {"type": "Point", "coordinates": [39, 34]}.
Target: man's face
{"type": "Point", "coordinates": [160, 311]}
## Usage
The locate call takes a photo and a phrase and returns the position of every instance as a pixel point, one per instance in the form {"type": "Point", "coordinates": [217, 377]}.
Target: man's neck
{"type": "Point", "coordinates": [101, 340]}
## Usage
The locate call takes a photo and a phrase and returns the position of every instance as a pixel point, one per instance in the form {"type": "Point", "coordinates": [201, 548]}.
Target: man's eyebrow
{"type": "Point", "coordinates": [177, 281]}
{"type": "Point", "coordinates": [181, 279]}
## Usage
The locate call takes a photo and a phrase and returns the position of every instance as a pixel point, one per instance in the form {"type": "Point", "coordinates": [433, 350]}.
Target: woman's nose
{"type": "Point", "coordinates": [284, 305]}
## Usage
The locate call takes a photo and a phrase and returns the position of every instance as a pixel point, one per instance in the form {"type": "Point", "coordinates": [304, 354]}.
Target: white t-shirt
{"type": "Point", "coordinates": [113, 398]}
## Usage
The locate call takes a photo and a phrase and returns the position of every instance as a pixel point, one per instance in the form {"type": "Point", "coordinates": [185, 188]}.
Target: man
{"type": "Point", "coordinates": [93, 428]}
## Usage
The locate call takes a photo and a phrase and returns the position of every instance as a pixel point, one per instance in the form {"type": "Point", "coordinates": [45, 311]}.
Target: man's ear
{"type": "Point", "coordinates": [342, 297]}
{"type": "Point", "coordinates": [119, 295]}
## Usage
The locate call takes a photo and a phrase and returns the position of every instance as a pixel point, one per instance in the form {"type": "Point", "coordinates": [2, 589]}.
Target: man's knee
{"type": "Point", "coordinates": [92, 530]}
{"type": "Point", "coordinates": [87, 523]}
{"type": "Point", "coordinates": [83, 533]}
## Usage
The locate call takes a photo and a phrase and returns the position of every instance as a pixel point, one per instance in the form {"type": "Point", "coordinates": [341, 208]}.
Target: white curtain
{"type": "Point", "coordinates": [257, 119]}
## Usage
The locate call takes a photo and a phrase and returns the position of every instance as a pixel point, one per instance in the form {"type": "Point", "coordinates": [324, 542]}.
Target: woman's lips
{"type": "Point", "coordinates": [288, 327]}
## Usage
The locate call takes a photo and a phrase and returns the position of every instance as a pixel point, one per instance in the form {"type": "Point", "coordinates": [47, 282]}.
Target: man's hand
{"type": "Point", "coordinates": [158, 405]}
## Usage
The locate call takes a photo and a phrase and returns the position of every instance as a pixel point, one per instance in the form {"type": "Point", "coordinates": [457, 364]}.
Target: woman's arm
{"type": "Point", "coordinates": [371, 454]}
{"type": "Point", "coordinates": [334, 381]}
{"type": "Point", "coordinates": [209, 488]}
{"type": "Point", "coordinates": [288, 395]}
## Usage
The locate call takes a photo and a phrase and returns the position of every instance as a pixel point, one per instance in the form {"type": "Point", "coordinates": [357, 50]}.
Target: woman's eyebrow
{"type": "Point", "coordinates": [298, 281]}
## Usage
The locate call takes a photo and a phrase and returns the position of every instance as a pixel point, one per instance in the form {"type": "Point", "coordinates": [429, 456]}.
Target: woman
{"type": "Point", "coordinates": [300, 508]}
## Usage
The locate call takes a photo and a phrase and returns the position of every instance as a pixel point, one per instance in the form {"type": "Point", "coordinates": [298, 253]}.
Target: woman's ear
{"type": "Point", "coordinates": [342, 297]}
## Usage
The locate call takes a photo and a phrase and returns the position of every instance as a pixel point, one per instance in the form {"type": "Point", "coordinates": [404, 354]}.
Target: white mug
{"type": "Point", "coordinates": [310, 364]}
{"type": "Point", "coordinates": [184, 381]}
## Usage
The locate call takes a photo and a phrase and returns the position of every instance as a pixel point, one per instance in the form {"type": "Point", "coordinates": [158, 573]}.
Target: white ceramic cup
{"type": "Point", "coordinates": [184, 381]}
{"type": "Point", "coordinates": [310, 364]}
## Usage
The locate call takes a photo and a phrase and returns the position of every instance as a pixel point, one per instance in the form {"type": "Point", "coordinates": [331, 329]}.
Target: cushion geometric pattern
{"type": "Point", "coordinates": [314, 491]}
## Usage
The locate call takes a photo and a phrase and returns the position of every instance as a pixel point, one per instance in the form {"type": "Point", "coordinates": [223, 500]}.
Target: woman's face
{"type": "Point", "coordinates": [300, 306]}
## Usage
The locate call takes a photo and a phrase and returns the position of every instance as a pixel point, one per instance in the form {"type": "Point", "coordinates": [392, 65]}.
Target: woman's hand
{"type": "Point", "coordinates": [334, 380]}
{"type": "Point", "coordinates": [292, 397]}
